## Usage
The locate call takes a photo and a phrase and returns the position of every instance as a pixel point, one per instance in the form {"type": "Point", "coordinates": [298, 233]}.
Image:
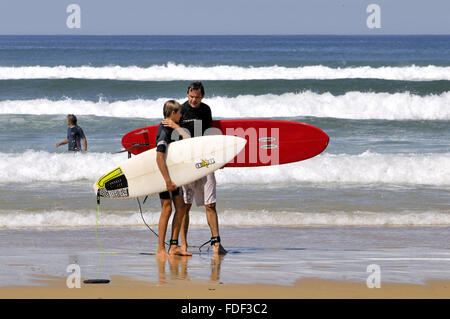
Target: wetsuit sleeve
{"type": "Point", "coordinates": [208, 118]}
{"type": "Point", "coordinates": [80, 130]}
{"type": "Point", "coordinates": [162, 141]}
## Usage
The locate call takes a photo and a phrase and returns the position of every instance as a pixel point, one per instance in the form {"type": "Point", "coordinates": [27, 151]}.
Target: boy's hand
{"type": "Point", "coordinates": [171, 186]}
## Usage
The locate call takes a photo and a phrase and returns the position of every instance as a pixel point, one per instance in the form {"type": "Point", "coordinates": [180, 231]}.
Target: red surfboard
{"type": "Point", "coordinates": [269, 142]}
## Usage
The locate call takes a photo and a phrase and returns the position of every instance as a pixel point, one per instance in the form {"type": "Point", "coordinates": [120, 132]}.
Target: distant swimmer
{"type": "Point", "coordinates": [75, 135]}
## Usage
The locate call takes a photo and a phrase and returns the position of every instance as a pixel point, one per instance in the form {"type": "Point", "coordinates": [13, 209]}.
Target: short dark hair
{"type": "Point", "coordinates": [195, 86]}
{"type": "Point", "coordinates": [169, 107]}
{"type": "Point", "coordinates": [72, 119]}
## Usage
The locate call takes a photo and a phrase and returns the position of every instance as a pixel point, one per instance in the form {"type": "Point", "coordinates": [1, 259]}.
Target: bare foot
{"type": "Point", "coordinates": [176, 250]}
{"type": "Point", "coordinates": [162, 254]}
{"type": "Point", "coordinates": [218, 249]}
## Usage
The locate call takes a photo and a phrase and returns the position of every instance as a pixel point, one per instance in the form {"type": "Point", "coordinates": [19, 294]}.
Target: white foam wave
{"type": "Point", "coordinates": [366, 168]}
{"type": "Point", "coordinates": [172, 72]}
{"type": "Point", "coordinates": [62, 218]}
{"type": "Point", "coordinates": [40, 166]}
{"type": "Point", "coordinates": [351, 105]}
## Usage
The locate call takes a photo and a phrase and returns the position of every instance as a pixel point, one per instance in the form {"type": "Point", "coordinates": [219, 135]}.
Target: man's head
{"type": "Point", "coordinates": [172, 110]}
{"type": "Point", "coordinates": [195, 94]}
{"type": "Point", "coordinates": [71, 120]}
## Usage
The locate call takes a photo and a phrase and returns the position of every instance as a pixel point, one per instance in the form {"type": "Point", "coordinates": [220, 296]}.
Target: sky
{"type": "Point", "coordinates": [231, 17]}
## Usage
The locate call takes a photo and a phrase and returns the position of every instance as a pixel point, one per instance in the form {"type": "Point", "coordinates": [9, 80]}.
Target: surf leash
{"type": "Point", "coordinates": [143, 219]}
{"type": "Point", "coordinates": [96, 280]}
{"type": "Point", "coordinates": [167, 242]}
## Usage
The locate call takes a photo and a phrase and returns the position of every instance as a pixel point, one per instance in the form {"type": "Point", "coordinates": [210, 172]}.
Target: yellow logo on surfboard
{"type": "Point", "coordinates": [205, 163]}
{"type": "Point", "coordinates": [107, 177]}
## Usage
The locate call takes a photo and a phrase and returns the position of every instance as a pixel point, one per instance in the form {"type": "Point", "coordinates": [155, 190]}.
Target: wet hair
{"type": "Point", "coordinates": [169, 107]}
{"type": "Point", "coordinates": [195, 86]}
{"type": "Point", "coordinates": [72, 119]}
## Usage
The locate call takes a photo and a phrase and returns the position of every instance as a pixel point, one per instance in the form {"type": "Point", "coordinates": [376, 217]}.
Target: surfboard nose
{"type": "Point", "coordinates": [240, 142]}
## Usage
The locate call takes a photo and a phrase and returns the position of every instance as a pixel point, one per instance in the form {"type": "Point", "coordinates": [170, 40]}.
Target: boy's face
{"type": "Point", "coordinates": [176, 116]}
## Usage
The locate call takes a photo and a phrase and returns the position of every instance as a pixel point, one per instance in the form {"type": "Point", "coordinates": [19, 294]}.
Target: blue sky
{"type": "Point", "coordinates": [225, 17]}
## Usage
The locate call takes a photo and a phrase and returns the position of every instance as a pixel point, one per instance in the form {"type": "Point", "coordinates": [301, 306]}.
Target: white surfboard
{"type": "Point", "coordinates": [187, 161]}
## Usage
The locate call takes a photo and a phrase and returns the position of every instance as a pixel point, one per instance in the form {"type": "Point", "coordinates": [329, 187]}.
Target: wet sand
{"type": "Point", "coordinates": [129, 288]}
{"type": "Point", "coordinates": [285, 263]}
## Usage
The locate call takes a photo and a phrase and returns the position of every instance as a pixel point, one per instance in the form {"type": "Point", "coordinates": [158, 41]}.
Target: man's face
{"type": "Point", "coordinates": [195, 98]}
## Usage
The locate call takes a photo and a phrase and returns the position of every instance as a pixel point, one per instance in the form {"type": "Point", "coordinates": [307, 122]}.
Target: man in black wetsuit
{"type": "Point", "coordinates": [172, 111]}
{"type": "Point", "coordinates": [196, 118]}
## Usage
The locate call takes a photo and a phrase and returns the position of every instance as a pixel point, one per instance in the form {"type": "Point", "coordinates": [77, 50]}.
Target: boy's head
{"type": "Point", "coordinates": [71, 119]}
{"type": "Point", "coordinates": [172, 110]}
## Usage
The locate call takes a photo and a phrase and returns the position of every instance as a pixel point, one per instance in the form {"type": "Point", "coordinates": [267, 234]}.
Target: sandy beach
{"type": "Point", "coordinates": [128, 288]}
{"type": "Point", "coordinates": [38, 264]}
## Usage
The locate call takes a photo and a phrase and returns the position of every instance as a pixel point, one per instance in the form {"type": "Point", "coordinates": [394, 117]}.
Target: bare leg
{"type": "Point", "coordinates": [213, 222]}
{"type": "Point", "coordinates": [166, 211]}
{"type": "Point", "coordinates": [184, 228]}
{"type": "Point", "coordinates": [180, 212]}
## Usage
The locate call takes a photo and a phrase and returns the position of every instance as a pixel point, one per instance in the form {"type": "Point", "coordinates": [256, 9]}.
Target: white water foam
{"type": "Point", "coordinates": [365, 168]}
{"type": "Point", "coordinates": [351, 105]}
{"type": "Point", "coordinates": [40, 166]}
{"type": "Point", "coordinates": [62, 218]}
{"type": "Point", "coordinates": [172, 72]}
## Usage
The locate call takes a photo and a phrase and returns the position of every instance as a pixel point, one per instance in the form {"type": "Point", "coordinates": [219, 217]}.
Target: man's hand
{"type": "Point", "coordinates": [169, 123]}
{"type": "Point", "coordinates": [171, 186]}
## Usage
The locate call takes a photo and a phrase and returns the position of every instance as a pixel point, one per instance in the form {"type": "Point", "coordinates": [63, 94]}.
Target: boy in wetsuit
{"type": "Point", "coordinates": [74, 135]}
{"type": "Point", "coordinates": [172, 110]}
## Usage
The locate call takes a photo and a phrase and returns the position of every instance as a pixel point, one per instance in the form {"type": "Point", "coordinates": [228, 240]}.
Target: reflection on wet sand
{"type": "Point", "coordinates": [178, 267]}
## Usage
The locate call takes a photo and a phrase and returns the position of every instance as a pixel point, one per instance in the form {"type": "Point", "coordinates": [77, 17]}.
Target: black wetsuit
{"type": "Point", "coordinates": [196, 120]}
{"type": "Point", "coordinates": [163, 139]}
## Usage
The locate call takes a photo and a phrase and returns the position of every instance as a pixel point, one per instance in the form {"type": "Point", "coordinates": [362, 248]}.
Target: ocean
{"type": "Point", "coordinates": [383, 100]}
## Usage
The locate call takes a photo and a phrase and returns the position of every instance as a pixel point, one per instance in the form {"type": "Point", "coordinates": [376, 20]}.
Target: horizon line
{"type": "Point", "coordinates": [196, 35]}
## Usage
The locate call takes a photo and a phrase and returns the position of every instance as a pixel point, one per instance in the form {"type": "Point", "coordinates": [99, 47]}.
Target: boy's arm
{"type": "Point", "coordinates": [65, 141]}
{"type": "Point", "coordinates": [85, 144]}
{"type": "Point", "coordinates": [164, 171]}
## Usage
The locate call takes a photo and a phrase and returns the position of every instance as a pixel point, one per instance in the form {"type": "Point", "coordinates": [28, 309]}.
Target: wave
{"type": "Point", "coordinates": [351, 105]}
{"type": "Point", "coordinates": [366, 168]}
{"type": "Point", "coordinates": [88, 218]}
{"type": "Point", "coordinates": [173, 72]}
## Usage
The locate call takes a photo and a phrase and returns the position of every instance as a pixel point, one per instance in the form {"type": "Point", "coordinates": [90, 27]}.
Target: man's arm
{"type": "Point", "coordinates": [164, 171]}
{"type": "Point", "coordinates": [169, 123]}
{"type": "Point", "coordinates": [65, 141]}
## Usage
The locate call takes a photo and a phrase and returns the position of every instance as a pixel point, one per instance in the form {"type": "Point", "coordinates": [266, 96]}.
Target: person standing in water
{"type": "Point", "coordinates": [196, 118]}
{"type": "Point", "coordinates": [75, 135]}
{"type": "Point", "coordinates": [165, 136]}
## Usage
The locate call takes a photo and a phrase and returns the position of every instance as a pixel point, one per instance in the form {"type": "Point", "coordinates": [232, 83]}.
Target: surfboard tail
{"type": "Point", "coordinates": [113, 184]}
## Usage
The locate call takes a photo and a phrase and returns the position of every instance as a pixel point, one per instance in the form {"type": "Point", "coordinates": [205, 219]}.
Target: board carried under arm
{"type": "Point", "coordinates": [187, 161]}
